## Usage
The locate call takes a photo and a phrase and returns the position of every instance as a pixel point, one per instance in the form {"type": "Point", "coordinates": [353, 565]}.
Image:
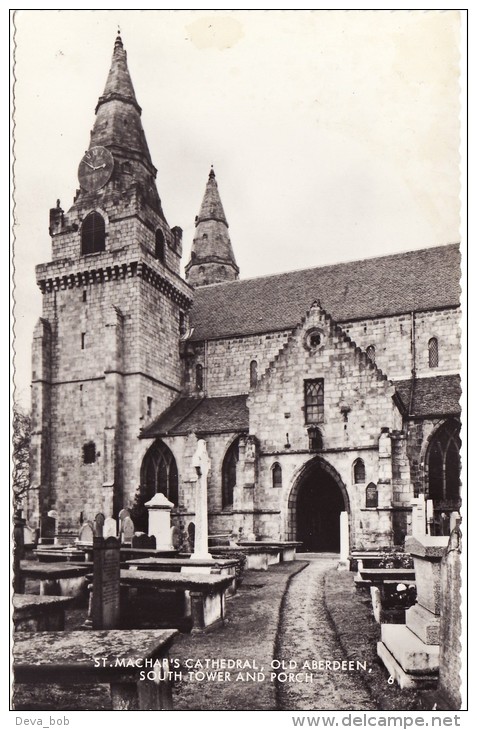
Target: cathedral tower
{"type": "Point", "coordinates": [212, 259]}
{"type": "Point", "coordinates": [106, 349]}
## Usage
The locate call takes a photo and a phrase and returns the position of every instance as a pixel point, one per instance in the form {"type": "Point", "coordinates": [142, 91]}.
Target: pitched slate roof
{"type": "Point", "coordinates": [201, 415]}
{"type": "Point", "coordinates": [436, 396]}
{"type": "Point", "coordinates": [416, 280]}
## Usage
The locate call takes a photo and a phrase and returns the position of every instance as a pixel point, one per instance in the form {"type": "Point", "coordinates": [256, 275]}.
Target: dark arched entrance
{"type": "Point", "coordinates": [319, 502]}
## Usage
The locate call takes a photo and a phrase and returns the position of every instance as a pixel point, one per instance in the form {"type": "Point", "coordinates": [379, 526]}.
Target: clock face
{"type": "Point", "coordinates": [95, 168]}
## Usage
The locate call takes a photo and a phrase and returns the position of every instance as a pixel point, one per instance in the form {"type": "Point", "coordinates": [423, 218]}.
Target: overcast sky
{"type": "Point", "coordinates": [334, 135]}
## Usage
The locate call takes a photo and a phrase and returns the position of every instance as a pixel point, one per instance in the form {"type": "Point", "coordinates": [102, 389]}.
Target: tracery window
{"type": "Point", "coordinates": [229, 474]}
{"type": "Point", "coordinates": [314, 400]}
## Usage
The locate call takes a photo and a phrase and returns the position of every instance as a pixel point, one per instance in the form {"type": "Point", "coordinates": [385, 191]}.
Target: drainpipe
{"type": "Point", "coordinates": [206, 344]}
{"type": "Point", "coordinates": [413, 363]}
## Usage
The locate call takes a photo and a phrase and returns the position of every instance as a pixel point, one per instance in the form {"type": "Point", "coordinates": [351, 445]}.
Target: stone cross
{"type": "Point", "coordinates": [201, 464]}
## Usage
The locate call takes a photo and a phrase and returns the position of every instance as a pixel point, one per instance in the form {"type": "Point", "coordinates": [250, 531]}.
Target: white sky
{"type": "Point", "coordinates": [334, 135]}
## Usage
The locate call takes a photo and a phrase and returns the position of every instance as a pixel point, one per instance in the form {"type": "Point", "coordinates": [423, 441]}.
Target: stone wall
{"type": "Point", "coordinates": [391, 338]}
{"type": "Point", "coordinates": [450, 632]}
{"type": "Point", "coordinates": [226, 362]}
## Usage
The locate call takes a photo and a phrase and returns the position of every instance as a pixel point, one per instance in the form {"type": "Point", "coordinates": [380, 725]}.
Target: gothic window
{"type": "Point", "coordinates": [159, 473]}
{"type": "Point", "coordinates": [160, 249]}
{"type": "Point", "coordinates": [229, 474]}
{"type": "Point", "coordinates": [371, 353]}
{"type": "Point", "coordinates": [93, 234]}
{"type": "Point", "coordinates": [359, 472]}
{"type": "Point", "coordinates": [315, 439]}
{"type": "Point", "coordinates": [276, 475]}
{"type": "Point", "coordinates": [371, 495]}
{"type": "Point", "coordinates": [314, 397]}
{"type": "Point", "coordinates": [433, 349]}
{"type": "Point", "coordinates": [89, 453]}
{"type": "Point", "coordinates": [253, 374]}
{"type": "Point", "coordinates": [199, 377]}
{"type": "Point", "coordinates": [443, 463]}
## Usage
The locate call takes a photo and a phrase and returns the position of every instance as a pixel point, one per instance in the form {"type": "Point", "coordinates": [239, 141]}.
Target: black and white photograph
{"type": "Point", "coordinates": [238, 364]}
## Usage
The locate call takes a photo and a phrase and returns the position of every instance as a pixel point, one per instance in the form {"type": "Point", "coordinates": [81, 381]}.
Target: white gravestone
{"type": "Point", "coordinates": [201, 464]}
{"type": "Point", "coordinates": [110, 528]}
{"type": "Point", "coordinates": [159, 520]}
{"type": "Point", "coordinates": [419, 516]}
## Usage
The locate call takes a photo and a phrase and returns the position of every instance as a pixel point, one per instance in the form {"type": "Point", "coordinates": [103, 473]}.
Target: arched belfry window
{"type": "Point", "coordinates": [443, 464]}
{"type": "Point", "coordinates": [160, 247]}
{"type": "Point", "coordinates": [433, 350]}
{"type": "Point", "coordinates": [253, 373]}
{"type": "Point", "coordinates": [371, 495]}
{"type": "Point", "coordinates": [276, 475]}
{"type": "Point", "coordinates": [359, 472]}
{"type": "Point", "coordinates": [371, 353]}
{"type": "Point", "coordinates": [229, 474]}
{"type": "Point", "coordinates": [93, 234]}
{"type": "Point", "coordinates": [159, 473]}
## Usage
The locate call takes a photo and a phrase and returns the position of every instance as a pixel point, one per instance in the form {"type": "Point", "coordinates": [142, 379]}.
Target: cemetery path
{"type": "Point", "coordinates": [306, 634]}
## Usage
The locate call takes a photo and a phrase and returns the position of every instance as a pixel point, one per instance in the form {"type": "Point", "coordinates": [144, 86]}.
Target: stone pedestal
{"type": "Point", "coordinates": [344, 541]}
{"type": "Point", "coordinates": [411, 652]}
{"type": "Point", "coordinates": [159, 520]}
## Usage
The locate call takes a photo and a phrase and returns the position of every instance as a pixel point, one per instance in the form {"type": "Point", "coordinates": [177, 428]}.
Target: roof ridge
{"type": "Point", "coordinates": [333, 265]}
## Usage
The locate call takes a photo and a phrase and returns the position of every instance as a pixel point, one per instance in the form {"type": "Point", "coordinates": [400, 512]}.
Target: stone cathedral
{"type": "Point", "coordinates": [333, 389]}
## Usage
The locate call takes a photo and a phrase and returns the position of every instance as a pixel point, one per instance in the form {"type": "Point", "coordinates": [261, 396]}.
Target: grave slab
{"type": "Point", "coordinates": [414, 656]}
{"type": "Point", "coordinates": [39, 613]}
{"type": "Point", "coordinates": [423, 623]}
{"type": "Point", "coordinates": [68, 658]}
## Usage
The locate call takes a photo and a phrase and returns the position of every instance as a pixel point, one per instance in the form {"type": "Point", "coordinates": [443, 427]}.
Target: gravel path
{"type": "Point", "coordinates": [306, 634]}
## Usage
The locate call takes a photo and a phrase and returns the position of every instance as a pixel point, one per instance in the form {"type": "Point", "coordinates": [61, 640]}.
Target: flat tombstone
{"type": "Point", "coordinates": [110, 528]}
{"type": "Point", "coordinates": [141, 541]}
{"type": "Point", "coordinates": [127, 530]}
{"type": "Point", "coordinates": [86, 533]}
{"type": "Point", "coordinates": [106, 566]}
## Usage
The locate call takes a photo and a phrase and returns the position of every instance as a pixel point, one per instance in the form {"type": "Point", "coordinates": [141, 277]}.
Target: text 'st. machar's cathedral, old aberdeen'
{"type": "Point", "coordinates": [317, 392]}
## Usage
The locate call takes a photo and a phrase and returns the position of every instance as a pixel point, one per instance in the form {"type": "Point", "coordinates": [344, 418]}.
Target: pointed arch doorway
{"type": "Point", "coordinates": [316, 502]}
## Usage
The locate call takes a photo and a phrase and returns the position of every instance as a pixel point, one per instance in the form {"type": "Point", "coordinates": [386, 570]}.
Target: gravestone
{"type": "Point", "coordinates": [176, 539]}
{"type": "Point", "coordinates": [127, 530]}
{"type": "Point", "coordinates": [110, 528]}
{"type": "Point", "coordinates": [29, 535]}
{"type": "Point", "coordinates": [18, 551]}
{"type": "Point", "coordinates": [418, 516]}
{"type": "Point", "coordinates": [376, 603]}
{"type": "Point", "coordinates": [141, 541]}
{"type": "Point", "coordinates": [449, 687]}
{"type": "Point", "coordinates": [47, 530]}
{"type": "Point", "coordinates": [191, 535]}
{"type": "Point", "coordinates": [86, 533]}
{"type": "Point", "coordinates": [105, 608]}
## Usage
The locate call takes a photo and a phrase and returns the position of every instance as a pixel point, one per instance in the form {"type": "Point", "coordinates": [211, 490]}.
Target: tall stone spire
{"type": "Point", "coordinates": [118, 127]}
{"type": "Point", "coordinates": [212, 259]}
